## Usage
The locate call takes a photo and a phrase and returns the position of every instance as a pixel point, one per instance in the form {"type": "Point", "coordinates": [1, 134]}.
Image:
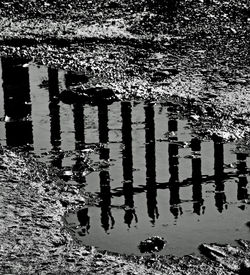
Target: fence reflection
{"type": "Point", "coordinates": [151, 190]}
{"type": "Point", "coordinates": [17, 106]}
{"type": "Point", "coordinates": [242, 193]}
{"type": "Point", "coordinates": [220, 197]}
{"type": "Point", "coordinates": [54, 113]}
{"type": "Point", "coordinates": [107, 219]}
{"type": "Point", "coordinates": [174, 184]}
{"type": "Point", "coordinates": [196, 176]}
{"type": "Point", "coordinates": [17, 103]}
{"type": "Point", "coordinates": [127, 163]}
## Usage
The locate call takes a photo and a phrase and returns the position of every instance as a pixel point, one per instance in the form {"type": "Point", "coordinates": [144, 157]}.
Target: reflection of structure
{"type": "Point", "coordinates": [103, 130]}
{"type": "Point", "coordinates": [107, 219]}
{"type": "Point", "coordinates": [54, 108]}
{"type": "Point", "coordinates": [127, 163]}
{"type": "Point", "coordinates": [17, 102]}
{"type": "Point", "coordinates": [150, 163]}
{"type": "Point", "coordinates": [196, 175]}
{"type": "Point", "coordinates": [84, 221]}
{"type": "Point", "coordinates": [71, 79]}
{"type": "Point", "coordinates": [80, 166]}
{"type": "Point", "coordinates": [106, 215]}
{"type": "Point", "coordinates": [220, 197]}
{"type": "Point", "coordinates": [242, 176]}
{"type": "Point", "coordinates": [174, 187]}
{"type": "Point", "coordinates": [78, 111]}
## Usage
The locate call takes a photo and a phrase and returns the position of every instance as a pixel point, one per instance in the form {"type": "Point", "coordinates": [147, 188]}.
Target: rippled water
{"type": "Point", "coordinates": [153, 176]}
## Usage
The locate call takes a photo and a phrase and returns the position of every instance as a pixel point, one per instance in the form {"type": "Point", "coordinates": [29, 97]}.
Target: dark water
{"type": "Point", "coordinates": [153, 176]}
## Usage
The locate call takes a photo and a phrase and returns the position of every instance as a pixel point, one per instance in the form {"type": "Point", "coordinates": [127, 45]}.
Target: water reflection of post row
{"type": "Point", "coordinates": [107, 219]}
{"type": "Point", "coordinates": [17, 103]}
{"type": "Point", "coordinates": [196, 176]}
{"type": "Point", "coordinates": [174, 187]}
{"type": "Point", "coordinates": [242, 176]}
{"type": "Point", "coordinates": [220, 197]}
{"type": "Point", "coordinates": [103, 130]}
{"type": "Point", "coordinates": [79, 166]}
{"type": "Point", "coordinates": [84, 221]}
{"type": "Point", "coordinates": [150, 163]}
{"type": "Point", "coordinates": [127, 163]}
{"type": "Point", "coordinates": [54, 109]}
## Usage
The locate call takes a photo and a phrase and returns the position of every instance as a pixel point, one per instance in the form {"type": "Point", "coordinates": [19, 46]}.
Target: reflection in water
{"type": "Point", "coordinates": [107, 219]}
{"type": "Point", "coordinates": [16, 105]}
{"type": "Point", "coordinates": [242, 193]}
{"type": "Point", "coordinates": [54, 110]}
{"type": "Point", "coordinates": [150, 163]}
{"type": "Point", "coordinates": [17, 102]}
{"type": "Point", "coordinates": [127, 163]}
{"type": "Point", "coordinates": [174, 187]}
{"type": "Point", "coordinates": [84, 221]}
{"type": "Point", "coordinates": [79, 166]}
{"type": "Point", "coordinates": [196, 176]}
{"type": "Point", "coordinates": [220, 197]}
{"type": "Point", "coordinates": [103, 131]}
{"type": "Point", "coordinates": [78, 111]}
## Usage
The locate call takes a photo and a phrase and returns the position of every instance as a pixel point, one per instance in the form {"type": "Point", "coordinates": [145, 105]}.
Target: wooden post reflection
{"type": "Point", "coordinates": [150, 163]}
{"type": "Point", "coordinates": [78, 110]}
{"type": "Point", "coordinates": [196, 176]}
{"type": "Point", "coordinates": [242, 193]}
{"type": "Point", "coordinates": [127, 163]}
{"type": "Point", "coordinates": [84, 221]}
{"type": "Point", "coordinates": [174, 187]}
{"type": "Point", "coordinates": [54, 109]}
{"type": "Point", "coordinates": [17, 103]}
{"type": "Point", "coordinates": [220, 197]}
{"type": "Point", "coordinates": [103, 130]}
{"type": "Point", "coordinates": [79, 166]}
{"type": "Point", "coordinates": [107, 219]}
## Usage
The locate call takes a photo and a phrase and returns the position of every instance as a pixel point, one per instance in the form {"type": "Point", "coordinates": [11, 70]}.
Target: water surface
{"type": "Point", "coordinates": [152, 175]}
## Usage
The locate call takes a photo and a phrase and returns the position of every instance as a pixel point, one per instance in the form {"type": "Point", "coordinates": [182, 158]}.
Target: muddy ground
{"type": "Point", "coordinates": [195, 55]}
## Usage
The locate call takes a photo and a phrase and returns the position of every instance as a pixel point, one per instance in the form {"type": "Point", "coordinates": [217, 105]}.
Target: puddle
{"type": "Point", "coordinates": [155, 178]}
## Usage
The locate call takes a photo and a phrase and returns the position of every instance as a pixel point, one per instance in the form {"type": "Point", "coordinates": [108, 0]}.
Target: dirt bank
{"type": "Point", "coordinates": [198, 56]}
{"type": "Point", "coordinates": [33, 240]}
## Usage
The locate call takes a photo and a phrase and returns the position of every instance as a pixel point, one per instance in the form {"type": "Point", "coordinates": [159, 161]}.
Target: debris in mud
{"type": "Point", "coordinates": [152, 244]}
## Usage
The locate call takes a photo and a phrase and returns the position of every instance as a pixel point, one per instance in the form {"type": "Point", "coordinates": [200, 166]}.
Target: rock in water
{"type": "Point", "coordinates": [93, 96]}
{"type": "Point", "coordinates": [152, 244]}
